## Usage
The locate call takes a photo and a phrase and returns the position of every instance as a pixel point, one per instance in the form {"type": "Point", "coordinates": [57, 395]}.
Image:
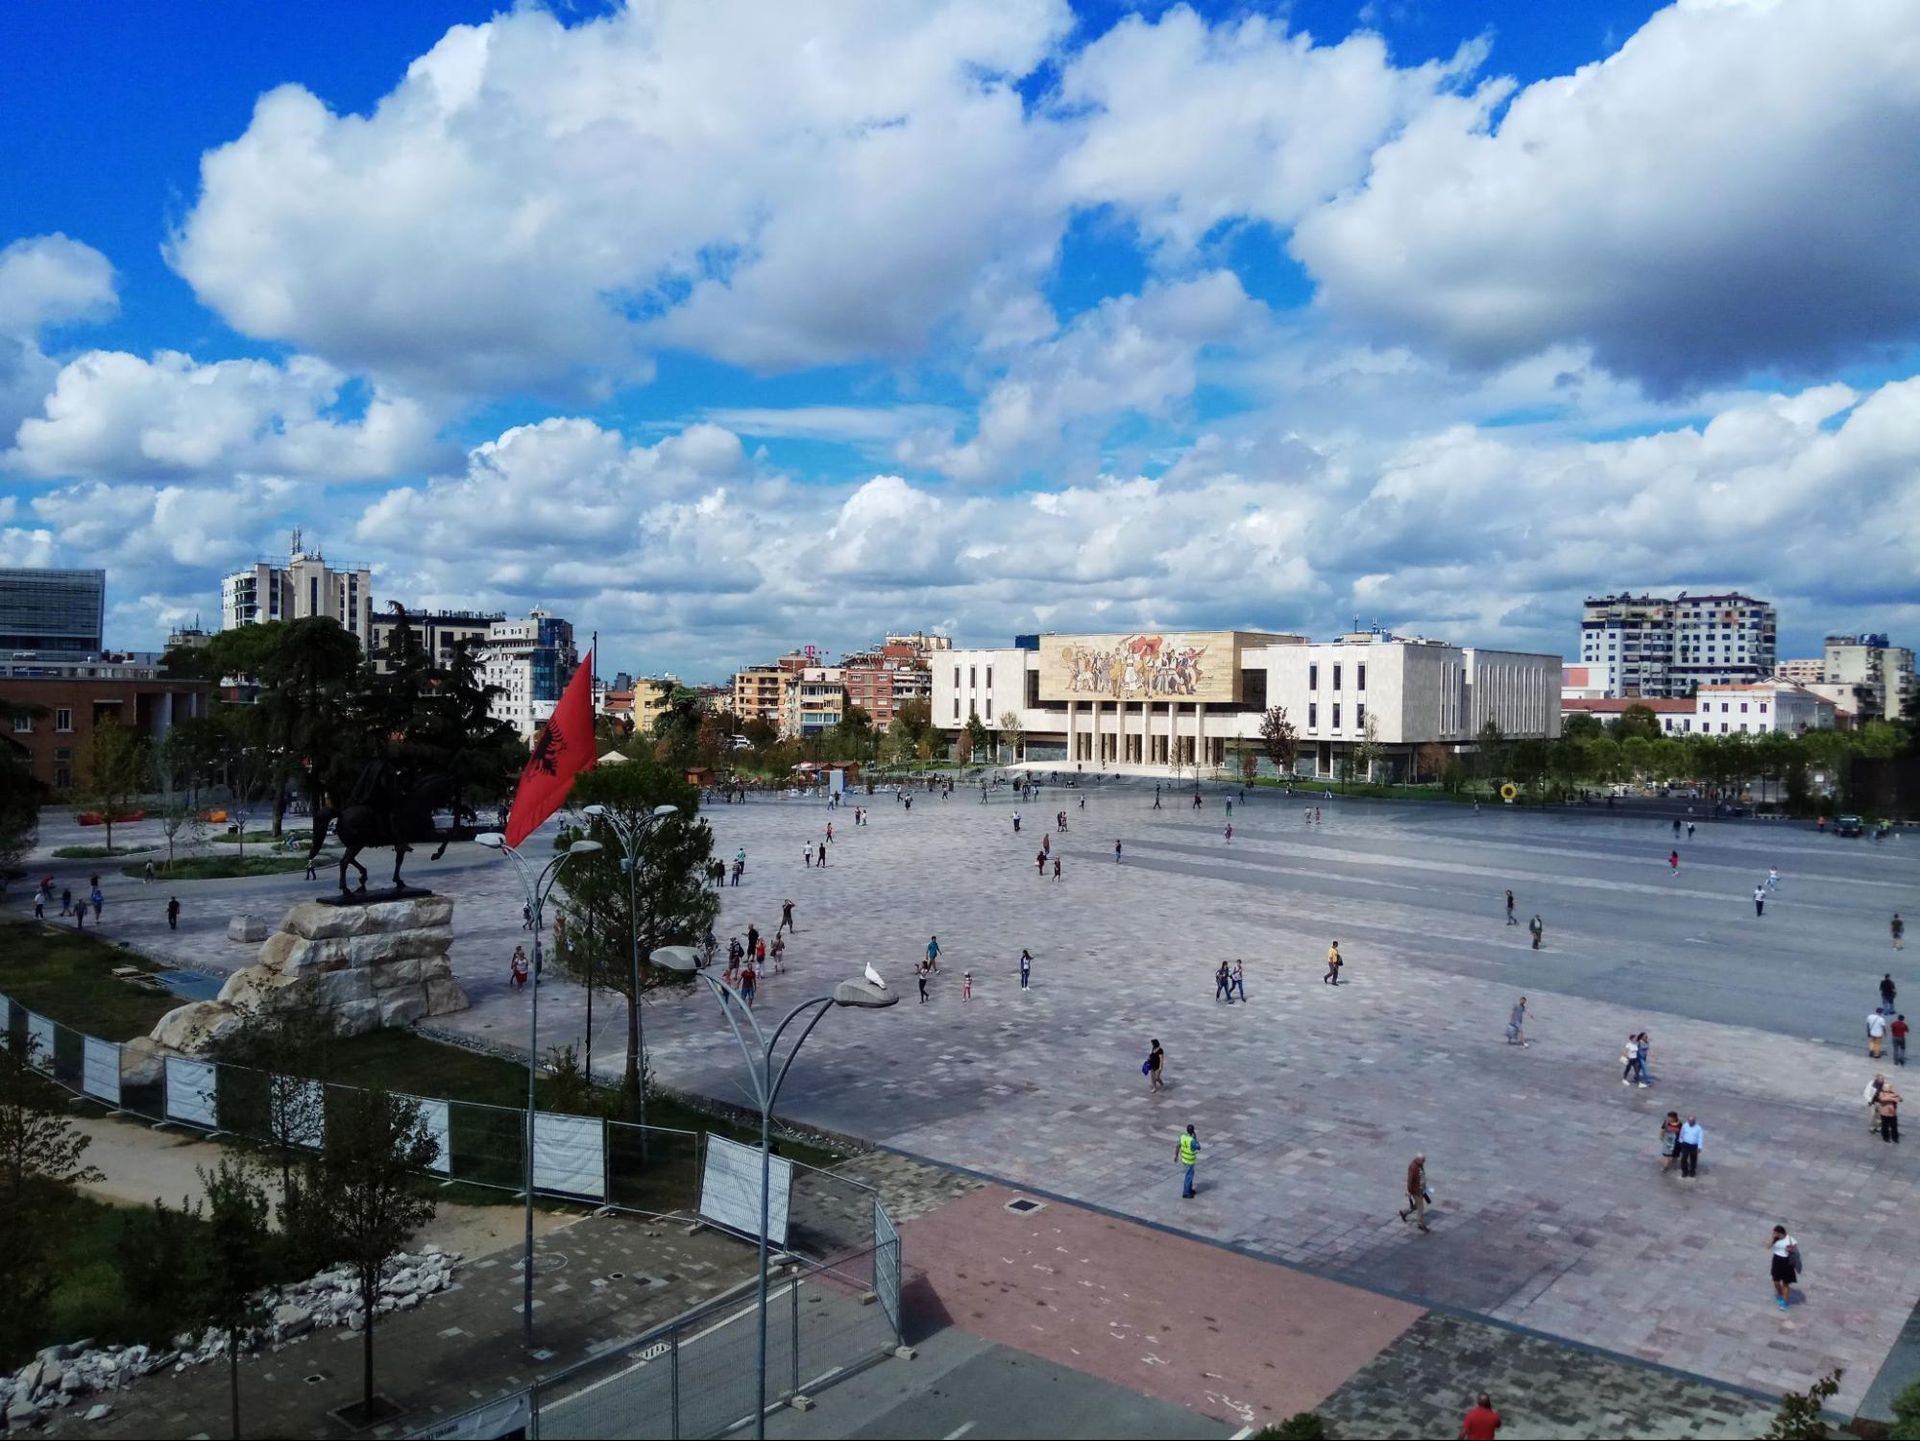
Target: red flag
{"type": "Point", "coordinates": [564, 749]}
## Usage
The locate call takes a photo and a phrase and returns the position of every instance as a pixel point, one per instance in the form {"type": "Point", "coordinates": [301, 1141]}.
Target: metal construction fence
{"type": "Point", "coordinates": [648, 1170]}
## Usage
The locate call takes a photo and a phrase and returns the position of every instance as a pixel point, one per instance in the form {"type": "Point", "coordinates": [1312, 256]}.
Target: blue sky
{"type": "Point", "coordinates": [719, 336]}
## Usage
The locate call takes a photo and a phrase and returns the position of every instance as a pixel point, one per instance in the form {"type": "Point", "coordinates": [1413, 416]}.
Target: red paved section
{"type": "Point", "coordinates": [1228, 1335]}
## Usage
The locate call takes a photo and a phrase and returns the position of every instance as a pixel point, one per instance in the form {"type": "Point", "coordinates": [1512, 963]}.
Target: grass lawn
{"type": "Point", "coordinates": [215, 868]}
{"type": "Point", "coordinates": [69, 976]}
{"type": "Point", "coordinates": [99, 853]}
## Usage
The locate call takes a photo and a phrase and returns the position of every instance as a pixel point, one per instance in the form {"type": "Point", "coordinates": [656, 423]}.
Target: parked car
{"type": "Point", "coordinates": [1849, 826]}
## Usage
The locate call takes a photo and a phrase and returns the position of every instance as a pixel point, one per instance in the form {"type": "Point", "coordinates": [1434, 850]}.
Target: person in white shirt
{"type": "Point", "coordinates": [1786, 1264]}
{"type": "Point", "coordinates": [1876, 1031]}
{"type": "Point", "coordinates": [1692, 1136]}
{"type": "Point", "coordinates": [1759, 900]}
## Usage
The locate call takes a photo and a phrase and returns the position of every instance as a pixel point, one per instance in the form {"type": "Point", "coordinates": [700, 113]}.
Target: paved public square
{"type": "Point", "coordinates": [1551, 1210]}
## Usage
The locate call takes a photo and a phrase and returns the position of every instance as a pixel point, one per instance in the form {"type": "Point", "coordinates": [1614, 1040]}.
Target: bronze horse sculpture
{"type": "Point", "coordinates": [386, 809]}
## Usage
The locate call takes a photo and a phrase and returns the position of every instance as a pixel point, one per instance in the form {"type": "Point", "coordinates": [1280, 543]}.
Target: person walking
{"type": "Point", "coordinates": [1898, 1030]}
{"type": "Point", "coordinates": [1673, 863]}
{"type": "Point", "coordinates": [1056, 868]}
{"type": "Point", "coordinates": [753, 940]}
{"type": "Point", "coordinates": [99, 903]}
{"type": "Point", "coordinates": [1876, 1032]}
{"type": "Point", "coordinates": [1510, 916]}
{"type": "Point", "coordinates": [1516, 1024]}
{"type": "Point", "coordinates": [786, 919]}
{"type": "Point", "coordinates": [39, 905]}
{"type": "Point", "coordinates": [1887, 992]}
{"type": "Point", "coordinates": [1888, 1110]}
{"type": "Point", "coordinates": [1016, 823]}
{"type": "Point", "coordinates": [1155, 1067]}
{"type": "Point", "coordinates": [1417, 1193]}
{"type": "Point", "coordinates": [1629, 1059]}
{"type": "Point", "coordinates": [966, 985]}
{"type": "Point", "coordinates": [1692, 1137]}
{"type": "Point", "coordinates": [1482, 1422]}
{"type": "Point", "coordinates": [1899, 929]}
{"type": "Point", "coordinates": [1642, 1048]}
{"type": "Point", "coordinates": [173, 913]}
{"type": "Point", "coordinates": [1187, 1154]}
{"type": "Point", "coordinates": [806, 854]}
{"type": "Point", "coordinates": [1537, 928]}
{"type": "Point", "coordinates": [1229, 829]}
{"type": "Point", "coordinates": [1689, 828]}
{"type": "Point", "coordinates": [1871, 1097]}
{"type": "Point", "coordinates": [1669, 1141]}
{"type": "Point", "coordinates": [1773, 879]}
{"type": "Point", "coordinates": [517, 968]}
{"type": "Point", "coordinates": [749, 978]}
{"type": "Point", "coordinates": [1760, 900]}
{"type": "Point", "coordinates": [146, 874]}
{"type": "Point", "coordinates": [1156, 797]}
{"type": "Point", "coordinates": [1785, 1265]}
{"type": "Point", "coordinates": [779, 952]}
{"type": "Point", "coordinates": [819, 860]}
{"type": "Point", "coordinates": [1240, 981]}
{"type": "Point", "coordinates": [1026, 969]}
{"type": "Point", "coordinates": [1223, 984]}
{"type": "Point", "coordinates": [920, 974]}
{"type": "Point", "coordinates": [1334, 962]}
{"type": "Point", "coordinates": [1116, 853]}
{"type": "Point", "coordinates": [66, 900]}
{"type": "Point", "coordinates": [933, 953]}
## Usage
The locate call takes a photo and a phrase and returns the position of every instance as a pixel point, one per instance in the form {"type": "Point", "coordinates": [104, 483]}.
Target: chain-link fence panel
{"type": "Point", "coordinates": [652, 1169]}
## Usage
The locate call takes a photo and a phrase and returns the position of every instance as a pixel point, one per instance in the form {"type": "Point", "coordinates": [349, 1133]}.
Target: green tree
{"type": "Point", "coordinates": [1490, 760]}
{"type": "Point", "coordinates": [1638, 720]}
{"type": "Point", "coordinates": [41, 1163]}
{"type": "Point", "coordinates": [312, 679]}
{"type": "Point", "coordinates": [1367, 753]}
{"type": "Point", "coordinates": [1279, 739]}
{"type": "Point", "coordinates": [912, 723]}
{"type": "Point", "coordinates": [238, 1262]}
{"type": "Point", "coordinates": [978, 739]}
{"type": "Point", "coordinates": [161, 1252]}
{"type": "Point", "coordinates": [365, 1194]}
{"type": "Point", "coordinates": [1798, 1418]}
{"type": "Point", "coordinates": [1581, 725]}
{"type": "Point", "coordinates": [20, 793]}
{"type": "Point", "coordinates": [1013, 735]}
{"type": "Point", "coordinates": [673, 902]}
{"type": "Point", "coordinates": [1906, 1414]}
{"type": "Point", "coordinates": [119, 771]}
{"type": "Point", "coordinates": [1528, 762]}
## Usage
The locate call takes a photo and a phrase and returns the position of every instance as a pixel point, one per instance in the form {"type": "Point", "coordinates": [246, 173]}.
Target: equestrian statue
{"type": "Point", "coordinates": [388, 806]}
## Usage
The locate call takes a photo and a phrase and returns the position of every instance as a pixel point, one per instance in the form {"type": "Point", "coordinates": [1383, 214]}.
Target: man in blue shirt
{"type": "Point", "coordinates": [1692, 1136]}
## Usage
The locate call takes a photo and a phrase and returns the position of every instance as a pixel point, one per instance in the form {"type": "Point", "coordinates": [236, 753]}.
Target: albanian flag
{"type": "Point", "coordinates": [563, 750]}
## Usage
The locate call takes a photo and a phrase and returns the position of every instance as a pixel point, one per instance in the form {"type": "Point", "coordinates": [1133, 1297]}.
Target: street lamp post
{"type": "Point", "coordinates": [870, 993]}
{"type": "Point", "coordinates": [632, 835]}
{"type": "Point", "coordinates": [538, 885]}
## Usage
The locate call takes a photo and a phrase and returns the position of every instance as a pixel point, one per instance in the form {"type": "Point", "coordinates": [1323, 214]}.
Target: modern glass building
{"type": "Point", "coordinates": [52, 610]}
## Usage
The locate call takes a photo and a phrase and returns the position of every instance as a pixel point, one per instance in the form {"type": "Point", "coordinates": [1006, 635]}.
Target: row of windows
{"type": "Point", "coordinates": [1313, 711]}
{"type": "Point", "coordinates": [62, 721]}
{"type": "Point", "coordinates": [1359, 677]}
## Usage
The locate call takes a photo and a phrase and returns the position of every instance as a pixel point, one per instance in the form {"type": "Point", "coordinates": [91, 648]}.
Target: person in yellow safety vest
{"type": "Point", "coordinates": [1189, 1156]}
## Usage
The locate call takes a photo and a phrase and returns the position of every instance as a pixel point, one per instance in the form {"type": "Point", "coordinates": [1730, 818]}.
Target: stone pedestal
{"type": "Point", "coordinates": [361, 967]}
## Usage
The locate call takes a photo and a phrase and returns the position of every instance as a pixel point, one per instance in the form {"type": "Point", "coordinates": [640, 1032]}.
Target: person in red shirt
{"type": "Point", "coordinates": [1481, 1422]}
{"type": "Point", "coordinates": [1899, 1030]}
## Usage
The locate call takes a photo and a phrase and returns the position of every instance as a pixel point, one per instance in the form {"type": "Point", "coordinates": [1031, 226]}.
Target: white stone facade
{"type": "Point", "coordinates": [1413, 693]}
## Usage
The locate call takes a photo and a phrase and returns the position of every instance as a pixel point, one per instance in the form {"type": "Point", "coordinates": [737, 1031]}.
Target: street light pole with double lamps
{"type": "Point", "coordinates": [632, 835]}
{"type": "Point", "coordinates": [869, 993]}
{"type": "Point", "coordinates": [538, 885]}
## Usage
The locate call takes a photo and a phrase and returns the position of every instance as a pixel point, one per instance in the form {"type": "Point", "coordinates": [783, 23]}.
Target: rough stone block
{"type": "Point", "coordinates": [356, 1018]}
{"type": "Point", "coordinates": [443, 995]}
{"type": "Point", "coordinates": [257, 989]}
{"type": "Point", "coordinates": [318, 923]}
{"type": "Point", "coordinates": [402, 1008]}
{"type": "Point", "coordinates": [247, 928]}
{"type": "Point", "coordinates": [396, 973]}
{"type": "Point", "coordinates": [194, 1027]}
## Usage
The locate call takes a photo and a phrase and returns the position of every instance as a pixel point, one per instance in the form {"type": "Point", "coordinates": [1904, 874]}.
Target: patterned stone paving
{"type": "Point", "coordinates": [1422, 1384]}
{"type": "Point", "coordinates": [1550, 1210]}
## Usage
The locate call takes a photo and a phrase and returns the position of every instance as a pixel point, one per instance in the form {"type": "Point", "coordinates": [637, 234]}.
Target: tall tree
{"type": "Point", "coordinates": [366, 1193]}
{"type": "Point", "coordinates": [238, 1261]}
{"type": "Point", "coordinates": [41, 1163]}
{"type": "Point", "coordinates": [1638, 720]}
{"type": "Point", "coordinates": [119, 770]}
{"type": "Point", "coordinates": [1279, 739]}
{"type": "Point", "coordinates": [1367, 753]}
{"type": "Point", "coordinates": [1490, 752]}
{"type": "Point", "coordinates": [671, 900]}
{"type": "Point", "coordinates": [1013, 733]}
{"type": "Point", "coordinates": [20, 793]}
{"type": "Point", "coordinates": [978, 738]}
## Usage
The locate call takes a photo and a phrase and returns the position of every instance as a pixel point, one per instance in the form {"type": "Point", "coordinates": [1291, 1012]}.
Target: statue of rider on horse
{"type": "Point", "coordinates": [388, 806]}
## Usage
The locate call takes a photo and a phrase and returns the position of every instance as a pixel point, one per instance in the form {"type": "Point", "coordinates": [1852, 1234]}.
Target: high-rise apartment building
{"type": "Point", "coordinates": [57, 612]}
{"type": "Point", "coordinates": [1656, 646]}
{"type": "Point", "coordinates": [760, 691]}
{"type": "Point", "coordinates": [305, 586]}
{"type": "Point", "coordinates": [1626, 644]}
{"type": "Point", "coordinates": [1879, 673]}
{"type": "Point", "coordinates": [436, 631]}
{"type": "Point", "coordinates": [528, 663]}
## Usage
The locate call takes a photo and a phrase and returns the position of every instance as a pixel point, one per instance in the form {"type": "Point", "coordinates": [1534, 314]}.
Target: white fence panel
{"type": "Point", "coordinates": [100, 1071]}
{"type": "Point", "coordinates": [190, 1090]}
{"type": "Point", "coordinates": [570, 1155]}
{"type": "Point", "coordinates": [730, 1189]}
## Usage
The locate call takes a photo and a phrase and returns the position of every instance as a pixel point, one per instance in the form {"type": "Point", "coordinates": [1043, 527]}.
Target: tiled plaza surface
{"type": "Point", "coordinates": [1551, 1210]}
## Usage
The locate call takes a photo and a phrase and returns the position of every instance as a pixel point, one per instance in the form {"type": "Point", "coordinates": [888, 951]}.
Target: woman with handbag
{"type": "Point", "coordinates": [1786, 1264]}
{"type": "Point", "coordinates": [1669, 1140]}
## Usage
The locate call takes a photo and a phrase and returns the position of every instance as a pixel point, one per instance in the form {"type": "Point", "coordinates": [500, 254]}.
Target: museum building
{"type": "Point", "coordinates": [1165, 702]}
